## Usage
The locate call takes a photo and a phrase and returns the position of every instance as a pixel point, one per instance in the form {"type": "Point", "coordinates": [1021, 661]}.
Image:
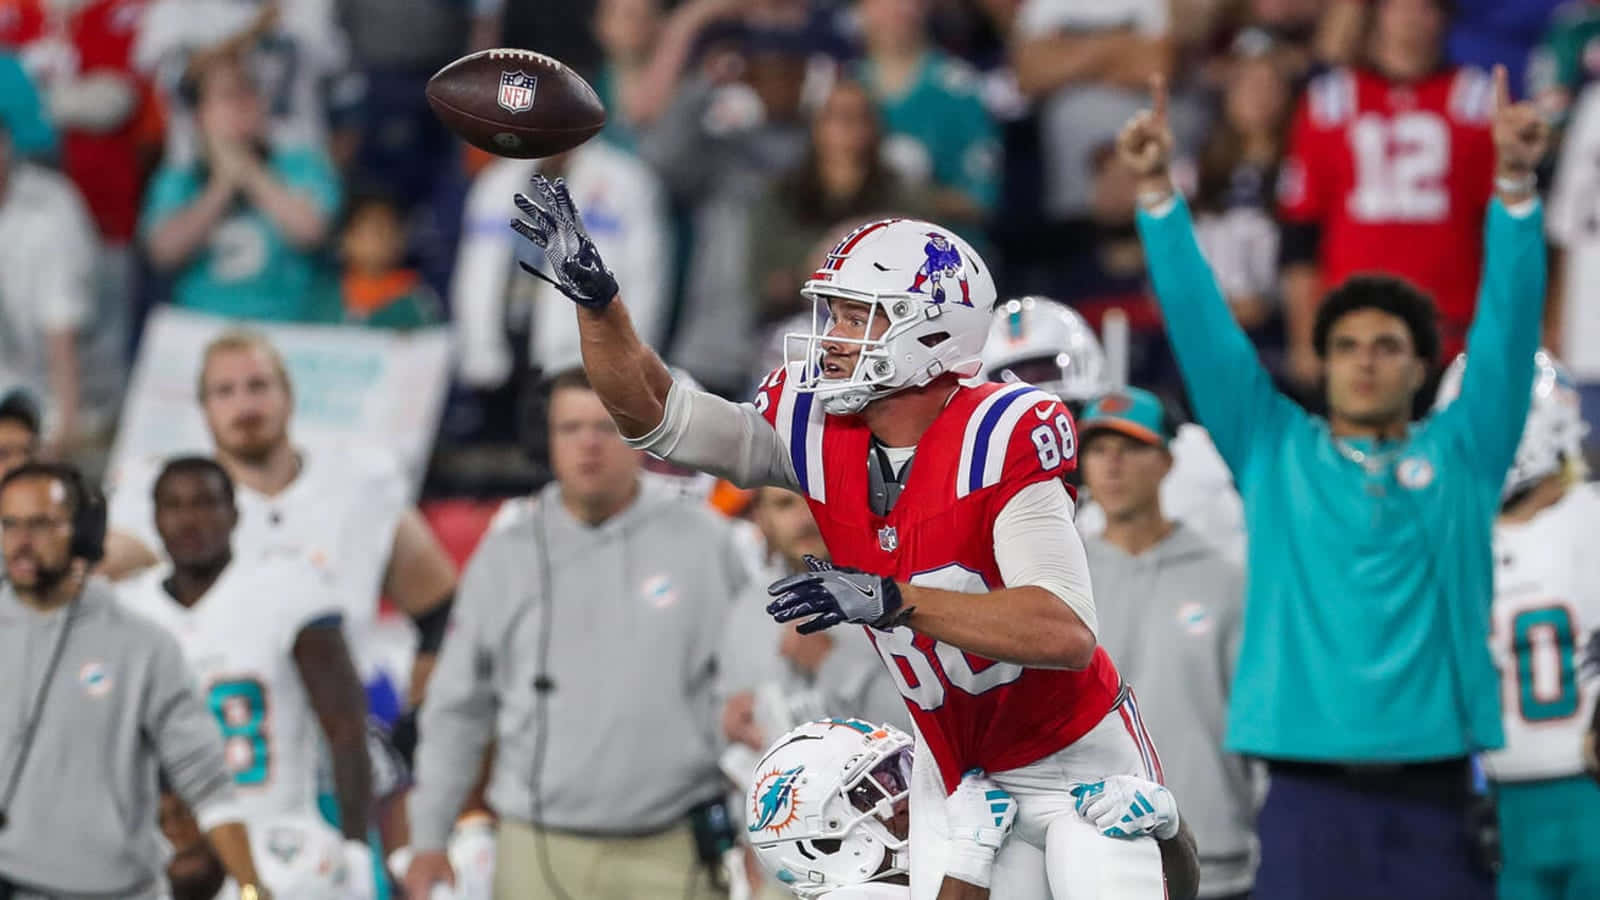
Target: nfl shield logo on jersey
{"type": "Point", "coordinates": [888, 539]}
{"type": "Point", "coordinates": [516, 91]}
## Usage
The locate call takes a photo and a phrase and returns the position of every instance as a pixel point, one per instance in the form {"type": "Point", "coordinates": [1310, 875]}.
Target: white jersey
{"type": "Point", "coordinates": [1546, 600]}
{"type": "Point", "coordinates": [239, 640]}
{"type": "Point", "coordinates": [1198, 492]}
{"type": "Point", "coordinates": [340, 512]}
{"type": "Point", "coordinates": [298, 63]}
{"type": "Point", "coordinates": [299, 857]}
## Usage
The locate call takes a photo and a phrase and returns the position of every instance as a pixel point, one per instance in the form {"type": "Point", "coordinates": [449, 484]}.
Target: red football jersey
{"type": "Point", "coordinates": [1399, 177]}
{"type": "Point", "coordinates": [107, 167]}
{"type": "Point", "coordinates": [988, 443]}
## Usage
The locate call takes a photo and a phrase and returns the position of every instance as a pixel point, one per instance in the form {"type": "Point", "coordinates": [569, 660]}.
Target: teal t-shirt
{"type": "Point", "coordinates": [247, 269]}
{"type": "Point", "coordinates": [1366, 619]}
{"type": "Point", "coordinates": [943, 114]}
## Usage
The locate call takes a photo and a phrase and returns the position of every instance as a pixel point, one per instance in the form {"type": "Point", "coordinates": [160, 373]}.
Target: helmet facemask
{"type": "Point", "coordinates": [891, 362]}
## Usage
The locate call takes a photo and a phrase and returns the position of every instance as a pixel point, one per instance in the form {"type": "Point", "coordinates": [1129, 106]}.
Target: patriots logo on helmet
{"type": "Point", "coordinates": [942, 260]}
{"type": "Point", "coordinates": [776, 806]}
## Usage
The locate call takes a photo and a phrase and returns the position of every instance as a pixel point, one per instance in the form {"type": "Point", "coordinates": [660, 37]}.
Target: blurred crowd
{"type": "Point", "coordinates": [275, 161]}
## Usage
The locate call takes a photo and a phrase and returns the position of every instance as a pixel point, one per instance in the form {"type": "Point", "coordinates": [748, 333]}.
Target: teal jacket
{"type": "Point", "coordinates": [1366, 619]}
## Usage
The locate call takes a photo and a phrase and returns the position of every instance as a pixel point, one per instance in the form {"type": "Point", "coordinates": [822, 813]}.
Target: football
{"type": "Point", "coordinates": [516, 103]}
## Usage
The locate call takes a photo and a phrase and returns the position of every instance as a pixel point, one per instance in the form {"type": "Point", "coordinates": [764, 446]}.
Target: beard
{"type": "Point", "coordinates": [252, 446]}
{"type": "Point", "coordinates": [46, 578]}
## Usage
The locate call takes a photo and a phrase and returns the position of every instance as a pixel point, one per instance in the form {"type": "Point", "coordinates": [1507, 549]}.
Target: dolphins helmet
{"type": "Point", "coordinates": [827, 805]}
{"type": "Point", "coordinates": [924, 282]}
{"type": "Point", "coordinates": [1553, 434]}
{"type": "Point", "coordinates": [1045, 343]}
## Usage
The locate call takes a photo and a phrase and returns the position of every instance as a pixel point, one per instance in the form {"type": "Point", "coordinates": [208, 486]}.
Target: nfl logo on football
{"type": "Point", "coordinates": [516, 91]}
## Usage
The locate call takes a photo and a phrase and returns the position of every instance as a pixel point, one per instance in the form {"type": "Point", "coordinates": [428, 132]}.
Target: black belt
{"type": "Point", "coordinates": [1446, 782]}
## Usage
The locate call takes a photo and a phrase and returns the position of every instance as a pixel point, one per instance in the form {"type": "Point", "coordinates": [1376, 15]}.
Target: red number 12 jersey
{"type": "Point", "coordinates": [989, 443]}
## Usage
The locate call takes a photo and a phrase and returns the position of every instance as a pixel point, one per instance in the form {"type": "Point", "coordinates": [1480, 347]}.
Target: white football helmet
{"type": "Point", "coordinates": [1047, 344]}
{"type": "Point", "coordinates": [822, 803]}
{"type": "Point", "coordinates": [1553, 435]}
{"type": "Point", "coordinates": [929, 285]}
{"type": "Point", "coordinates": [302, 857]}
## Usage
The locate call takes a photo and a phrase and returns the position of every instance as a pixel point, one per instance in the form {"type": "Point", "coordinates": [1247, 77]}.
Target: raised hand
{"type": "Point", "coordinates": [1521, 135]}
{"type": "Point", "coordinates": [1145, 143]}
{"type": "Point", "coordinates": [553, 224]}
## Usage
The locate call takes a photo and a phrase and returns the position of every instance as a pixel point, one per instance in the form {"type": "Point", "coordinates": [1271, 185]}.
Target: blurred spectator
{"type": "Point", "coordinates": [241, 226]}
{"type": "Point", "coordinates": [1565, 60]}
{"type": "Point", "coordinates": [19, 429]}
{"type": "Point", "coordinates": [22, 111]}
{"type": "Point", "coordinates": [939, 135]}
{"type": "Point", "coordinates": [378, 289]}
{"type": "Point", "coordinates": [624, 209]}
{"type": "Point", "coordinates": [397, 45]}
{"type": "Point", "coordinates": [80, 52]}
{"type": "Point", "coordinates": [299, 55]}
{"type": "Point", "coordinates": [48, 255]}
{"type": "Point", "coordinates": [1238, 166]}
{"type": "Point", "coordinates": [1087, 63]}
{"type": "Point", "coordinates": [732, 127]}
{"type": "Point", "coordinates": [584, 631]}
{"type": "Point", "coordinates": [1572, 321]}
{"type": "Point", "coordinates": [843, 177]}
{"type": "Point", "coordinates": [1486, 32]}
{"type": "Point", "coordinates": [1389, 169]}
{"type": "Point", "coordinates": [560, 28]}
{"type": "Point", "coordinates": [632, 80]}
{"type": "Point", "coordinates": [1171, 619]}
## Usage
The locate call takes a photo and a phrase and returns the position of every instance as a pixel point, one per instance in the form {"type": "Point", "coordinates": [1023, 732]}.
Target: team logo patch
{"type": "Point", "coordinates": [285, 843]}
{"type": "Point", "coordinates": [1194, 618]}
{"type": "Point", "coordinates": [1415, 473]}
{"type": "Point", "coordinates": [95, 678]}
{"type": "Point", "coordinates": [659, 591]}
{"type": "Point", "coordinates": [776, 807]}
{"type": "Point", "coordinates": [888, 539]}
{"type": "Point", "coordinates": [516, 91]}
{"type": "Point", "coordinates": [941, 262]}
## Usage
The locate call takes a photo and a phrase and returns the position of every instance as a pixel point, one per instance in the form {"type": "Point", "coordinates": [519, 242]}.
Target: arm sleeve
{"type": "Point", "coordinates": [735, 441]}
{"type": "Point", "coordinates": [458, 717]}
{"type": "Point", "coordinates": [1233, 395]}
{"type": "Point", "coordinates": [1500, 346]}
{"type": "Point", "coordinates": [185, 736]}
{"type": "Point", "coordinates": [1035, 543]}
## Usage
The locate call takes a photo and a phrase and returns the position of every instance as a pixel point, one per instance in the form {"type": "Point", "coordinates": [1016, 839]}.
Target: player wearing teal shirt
{"type": "Point", "coordinates": [942, 117]}
{"type": "Point", "coordinates": [1367, 613]}
{"type": "Point", "coordinates": [248, 269]}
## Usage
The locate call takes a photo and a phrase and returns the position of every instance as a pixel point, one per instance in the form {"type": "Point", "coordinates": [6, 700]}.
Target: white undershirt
{"type": "Point", "coordinates": [1035, 541]}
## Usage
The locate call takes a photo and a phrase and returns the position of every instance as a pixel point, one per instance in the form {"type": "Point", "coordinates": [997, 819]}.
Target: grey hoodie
{"type": "Point", "coordinates": [1170, 618]}
{"type": "Point", "coordinates": [636, 610]}
{"type": "Point", "coordinates": [121, 704]}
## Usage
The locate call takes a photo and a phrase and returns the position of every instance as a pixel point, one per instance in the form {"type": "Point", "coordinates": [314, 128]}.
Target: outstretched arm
{"type": "Point", "coordinates": [1233, 395]}
{"type": "Point", "coordinates": [692, 428]}
{"type": "Point", "coordinates": [1505, 329]}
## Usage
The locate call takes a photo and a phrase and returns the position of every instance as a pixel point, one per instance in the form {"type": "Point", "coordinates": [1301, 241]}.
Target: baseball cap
{"type": "Point", "coordinates": [19, 403]}
{"type": "Point", "coordinates": [1132, 411]}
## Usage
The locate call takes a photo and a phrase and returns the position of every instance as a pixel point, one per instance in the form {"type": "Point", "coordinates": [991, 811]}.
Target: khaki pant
{"type": "Point", "coordinates": [660, 867]}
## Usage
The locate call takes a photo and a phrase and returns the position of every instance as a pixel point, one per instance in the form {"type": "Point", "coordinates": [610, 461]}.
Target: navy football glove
{"type": "Point", "coordinates": [555, 226]}
{"type": "Point", "coordinates": [835, 595]}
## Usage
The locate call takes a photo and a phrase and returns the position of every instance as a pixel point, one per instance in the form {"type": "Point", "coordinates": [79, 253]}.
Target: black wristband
{"type": "Point", "coordinates": [432, 625]}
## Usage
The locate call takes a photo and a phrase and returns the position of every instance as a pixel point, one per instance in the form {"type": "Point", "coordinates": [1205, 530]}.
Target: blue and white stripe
{"type": "Point", "coordinates": [799, 422]}
{"type": "Point", "coordinates": [984, 446]}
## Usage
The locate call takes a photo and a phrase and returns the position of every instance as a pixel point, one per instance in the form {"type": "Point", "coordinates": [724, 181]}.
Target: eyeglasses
{"type": "Point", "coordinates": [32, 525]}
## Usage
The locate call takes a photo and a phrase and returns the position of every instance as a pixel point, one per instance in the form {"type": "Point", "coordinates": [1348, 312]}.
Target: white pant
{"type": "Point", "coordinates": [1052, 853]}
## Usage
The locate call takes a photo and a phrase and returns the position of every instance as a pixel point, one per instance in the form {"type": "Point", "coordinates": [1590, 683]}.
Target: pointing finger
{"type": "Point", "coordinates": [1158, 97]}
{"type": "Point", "coordinates": [1502, 89]}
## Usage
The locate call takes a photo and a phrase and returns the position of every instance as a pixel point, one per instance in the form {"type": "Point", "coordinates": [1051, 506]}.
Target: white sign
{"type": "Point", "coordinates": [352, 385]}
